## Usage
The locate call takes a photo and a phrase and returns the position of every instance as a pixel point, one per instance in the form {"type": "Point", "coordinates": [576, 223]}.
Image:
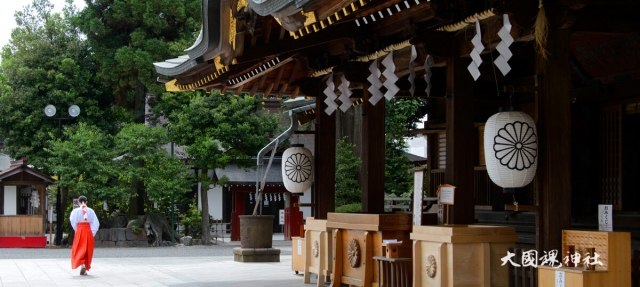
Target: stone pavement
{"type": "Point", "coordinates": [153, 266]}
{"type": "Point", "coordinates": [149, 271]}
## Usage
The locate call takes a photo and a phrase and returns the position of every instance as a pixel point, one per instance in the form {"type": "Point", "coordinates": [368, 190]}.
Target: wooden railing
{"type": "Point", "coordinates": [481, 186]}
{"type": "Point", "coordinates": [20, 225]}
{"type": "Point", "coordinates": [437, 179]}
{"type": "Point", "coordinates": [521, 276]}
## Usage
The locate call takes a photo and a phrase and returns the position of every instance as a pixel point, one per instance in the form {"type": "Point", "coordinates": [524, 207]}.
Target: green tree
{"type": "Point", "coordinates": [400, 116]}
{"type": "Point", "coordinates": [47, 62]}
{"type": "Point", "coordinates": [348, 165]}
{"type": "Point", "coordinates": [127, 36]}
{"type": "Point", "coordinates": [84, 160]}
{"type": "Point", "coordinates": [217, 129]}
{"type": "Point", "coordinates": [145, 169]}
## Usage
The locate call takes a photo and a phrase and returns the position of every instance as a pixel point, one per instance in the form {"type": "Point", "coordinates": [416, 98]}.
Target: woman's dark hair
{"type": "Point", "coordinates": [82, 198]}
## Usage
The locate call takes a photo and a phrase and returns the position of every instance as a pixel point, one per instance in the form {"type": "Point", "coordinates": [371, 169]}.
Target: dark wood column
{"type": "Point", "coordinates": [325, 160]}
{"type": "Point", "coordinates": [372, 155]}
{"type": "Point", "coordinates": [553, 106]}
{"type": "Point", "coordinates": [460, 138]}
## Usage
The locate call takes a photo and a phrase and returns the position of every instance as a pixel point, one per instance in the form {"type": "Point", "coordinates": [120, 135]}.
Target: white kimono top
{"type": "Point", "coordinates": [77, 217]}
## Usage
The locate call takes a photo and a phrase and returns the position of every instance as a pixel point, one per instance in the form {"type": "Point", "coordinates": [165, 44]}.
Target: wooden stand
{"type": "Point", "coordinates": [461, 255]}
{"type": "Point", "coordinates": [318, 250]}
{"type": "Point", "coordinates": [357, 238]}
{"type": "Point", "coordinates": [614, 250]}
{"type": "Point", "coordinates": [298, 249]}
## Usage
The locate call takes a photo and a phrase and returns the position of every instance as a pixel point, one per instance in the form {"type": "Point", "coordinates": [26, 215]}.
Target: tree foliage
{"type": "Point", "coordinates": [47, 62]}
{"type": "Point", "coordinates": [215, 130]}
{"type": "Point", "coordinates": [348, 165]}
{"type": "Point", "coordinates": [400, 116]}
{"type": "Point", "coordinates": [144, 159]}
{"type": "Point", "coordinates": [126, 37]}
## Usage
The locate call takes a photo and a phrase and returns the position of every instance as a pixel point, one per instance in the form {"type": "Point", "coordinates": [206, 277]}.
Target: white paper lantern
{"type": "Point", "coordinates": [511, 149]}
{"type": "Point", "coordinates": [297, 168]}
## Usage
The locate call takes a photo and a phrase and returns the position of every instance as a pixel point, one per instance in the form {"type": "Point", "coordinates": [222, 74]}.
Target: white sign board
{"type": "Point", "coordinates": [50, 213]}
{"type": "Point", "coordinates": [560, 279]}
{"type": "Point", "coordinates": [605, 217]}
{"type": "Point", "coordinates": [447, 194]}
{"type": "Point", "coordinates": [281, 216]}
{"type": "Point", "coordinates": [299, 246]}
{"type": "Point", "coordinates": [418, 181]}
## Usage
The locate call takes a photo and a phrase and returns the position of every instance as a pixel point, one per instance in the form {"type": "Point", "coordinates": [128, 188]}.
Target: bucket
{"type": "Point", "coordinates": [256, 231]}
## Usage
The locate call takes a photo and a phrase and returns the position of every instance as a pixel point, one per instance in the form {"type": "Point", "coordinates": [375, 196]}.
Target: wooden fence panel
{"type": "Point", "coordinates": [20, 225]}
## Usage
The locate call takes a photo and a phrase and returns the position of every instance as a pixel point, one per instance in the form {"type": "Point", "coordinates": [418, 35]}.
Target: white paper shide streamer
{"type": "Point", "coordinates": [478, 47]}
{"type": "Point", "coordinates": [331, 96]}
{"type": "Point", "coordinates": [503, 47]}
{"type": "Point", "coordinates": [412, 72]}
{"type": "Point", "coordinates": [391, 78]}
{"type": "Point", "coordinates": [346, 93]}
{"type": "Point", "coordinates": [376, 84]}
{"type": "Point", "coordinates": [427, 75]}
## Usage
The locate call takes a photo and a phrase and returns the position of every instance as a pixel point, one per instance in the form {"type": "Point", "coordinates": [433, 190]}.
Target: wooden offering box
{"type": "Point", "coordinates": [318, 250]}
{"type": "Point", "coordinates": [357, 238]}
{"type": "Point", "coordinates": [614, 251]}
{"type": "Point", "coordinates": [461, 255]}
{"type": "Point", "coordinates": [297, 254]}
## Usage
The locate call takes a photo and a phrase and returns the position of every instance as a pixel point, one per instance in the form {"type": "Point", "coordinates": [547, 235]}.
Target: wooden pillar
{"type": "Point", "coordinates": [372, 155]}
{"type": "Point", "coordinates": [238, 209]}
{"type": "Point", "coordinates": [553, 107]}
{"type": "Point", "coordinates": [325, 160]}
{"type": "Point", "coordinates": [460, 138]}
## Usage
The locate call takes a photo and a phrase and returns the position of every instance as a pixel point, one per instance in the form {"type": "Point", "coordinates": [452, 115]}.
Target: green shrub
{"type": "Point", "coordinates": [350, 208]}
{"type": "Point", "coordinates": [136, 229]}
{"type": "Point", "coordinates": [192, 221]}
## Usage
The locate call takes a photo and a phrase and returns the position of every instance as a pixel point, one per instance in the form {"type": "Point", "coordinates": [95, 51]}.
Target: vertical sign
{"type": "Point", "coordinates": [418, 182]}
{"type": "Point", "coordinates": [560, 279]}
{"type": "Point", "coordinates": [281, 216]}
{"type": "Point", "coordinates": [299, 246]}
{"type": "Point", "coordinates": [50, 213]}
{"type": "Point", "coordinates": [605, 217]}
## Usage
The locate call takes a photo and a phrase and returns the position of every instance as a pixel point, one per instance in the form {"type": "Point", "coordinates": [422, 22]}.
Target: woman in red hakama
{"type": "Point", "coordinates": [86, 224]}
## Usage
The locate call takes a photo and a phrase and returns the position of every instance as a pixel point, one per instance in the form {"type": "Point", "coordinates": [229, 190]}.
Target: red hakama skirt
{"type": "Point", "coordinates": [82, 251]}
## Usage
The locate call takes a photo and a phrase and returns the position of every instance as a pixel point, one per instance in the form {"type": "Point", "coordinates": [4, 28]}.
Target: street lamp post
{"type": "Point", "coordinates": [50, 111]}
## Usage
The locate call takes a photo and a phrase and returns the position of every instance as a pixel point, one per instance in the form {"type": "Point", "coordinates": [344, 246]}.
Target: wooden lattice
{"type": "Point", "coordinates": [582, 239]}
{"type": "Point", "coordinates": [611, 147]}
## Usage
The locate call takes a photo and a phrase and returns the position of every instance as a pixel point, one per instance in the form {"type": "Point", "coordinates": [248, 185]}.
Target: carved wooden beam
{"type": "Point", "coordinates": [333, 33]}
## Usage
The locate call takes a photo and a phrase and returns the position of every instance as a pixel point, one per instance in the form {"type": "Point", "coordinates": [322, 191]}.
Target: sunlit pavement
{"type": "Point", "coordinates": [153, 266]}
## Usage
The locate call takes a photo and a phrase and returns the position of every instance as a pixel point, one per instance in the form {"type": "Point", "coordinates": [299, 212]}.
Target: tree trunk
{"type": "Point", "coordinates": [204, 198]}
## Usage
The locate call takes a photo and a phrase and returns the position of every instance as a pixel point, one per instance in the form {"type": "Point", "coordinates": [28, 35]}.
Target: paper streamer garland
{"type": "Point", "coordinates": [503, 47]}
{"type": "Point", "coordinates": [478, 47]}
{"type": "Point", "coordinates": [376, 84]}
{"type": "Point", "coordinates": [389, 74]}
{"type": "Point", "coordinates": [346, 93]}
{"type": "Point", "coordinates": [412, 72]}
{"type": "Point", "coordinates": [331, 96]}
{"type": "Point", "coordinates": [427, 75]}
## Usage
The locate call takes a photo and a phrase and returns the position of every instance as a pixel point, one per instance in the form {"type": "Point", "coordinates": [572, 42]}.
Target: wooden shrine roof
{"type": "Point", "coordinates": [288, 47]}
{"type": "Point", "coordinates": [20, 173]}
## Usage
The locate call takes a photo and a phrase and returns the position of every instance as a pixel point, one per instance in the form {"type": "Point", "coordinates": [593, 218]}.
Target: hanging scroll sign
{"type": "Point", "coordinates": [418, 191]}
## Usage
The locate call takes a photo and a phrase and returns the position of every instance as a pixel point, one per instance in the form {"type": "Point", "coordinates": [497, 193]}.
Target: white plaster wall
{"type": "Point", "coordinates": [306, 198]}
{"type": "Point", "coordinates": [215, 201]}
{"type": "Point", "coordinates": [10, 200]}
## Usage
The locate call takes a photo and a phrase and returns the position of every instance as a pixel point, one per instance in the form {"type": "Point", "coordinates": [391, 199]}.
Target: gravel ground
{"type": "Point", "coordinates": [178, 251]}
